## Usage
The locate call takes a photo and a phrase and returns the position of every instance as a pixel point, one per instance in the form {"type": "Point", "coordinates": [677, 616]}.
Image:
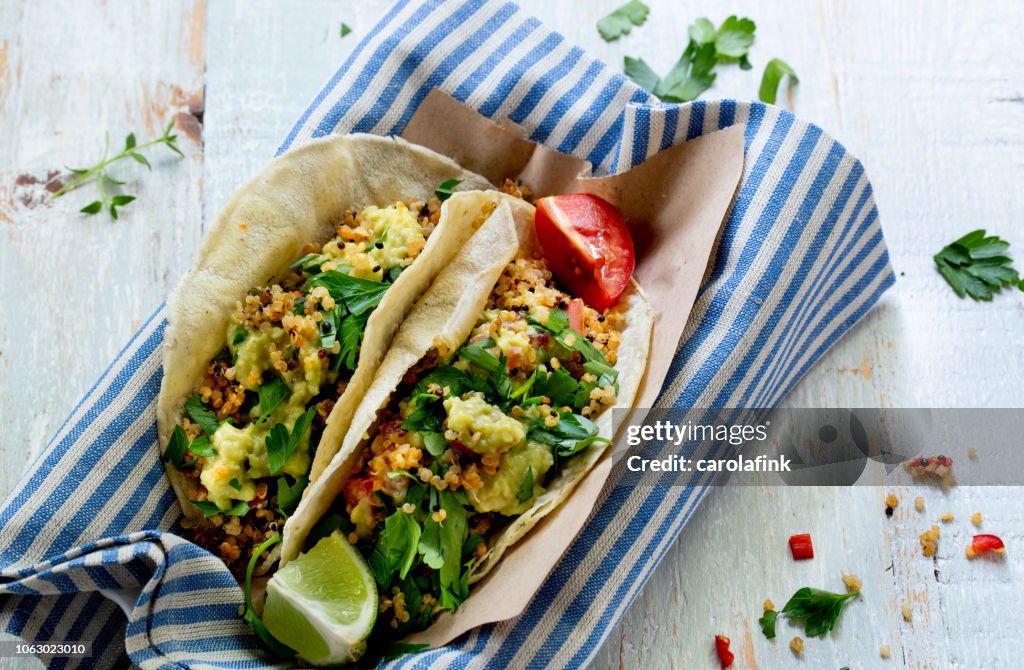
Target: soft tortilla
{"type": "Point", "coordinates": [448, 313]}
{"type": "Point", "coordinates": [299, 198]}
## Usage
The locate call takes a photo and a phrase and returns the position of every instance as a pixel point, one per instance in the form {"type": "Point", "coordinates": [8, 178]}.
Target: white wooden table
{"type": "Point", "coordinates": [930, 97]}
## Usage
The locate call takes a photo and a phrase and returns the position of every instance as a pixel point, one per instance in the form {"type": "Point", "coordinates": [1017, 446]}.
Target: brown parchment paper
{"type": "Point", "coordinates": [674, 204]}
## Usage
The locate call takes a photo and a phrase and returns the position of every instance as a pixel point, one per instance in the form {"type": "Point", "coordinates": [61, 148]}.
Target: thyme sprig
{"type": "Point", "coordinates": [100, 172]}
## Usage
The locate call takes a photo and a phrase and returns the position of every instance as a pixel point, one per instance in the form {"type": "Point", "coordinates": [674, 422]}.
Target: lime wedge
{"type": "Point", "coordinates": [323, 604]}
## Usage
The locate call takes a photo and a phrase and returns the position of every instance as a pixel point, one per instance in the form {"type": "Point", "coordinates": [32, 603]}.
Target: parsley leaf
{"type": "Point", "coordinates": [444, 191]}
{"type": "Point", "coordinates": [558, 326]}
{"type": "Point", "coordinates": [559, 386]}
{"type": "Point", "coordinates": [235, 484]}
{"type": "Point", "coordinates": [976, 265]}
{"type": "Point", "coordinates": [773, 73]}
{"type": "Point", "coordinates": [818, 609]}
{"type": "Point", "coordinates": [396, 548]}
{"type": "Point", "coordinates": [571, 434]}
{"type": "Point", "coordinates": [734, 38]}
{"type": "Point", "coordinates": [525, 491]}
{"type": "Point", "coordinates": [694, 72]}
{"type": "Point", "coordinates": [452, 535]}
{"type": "Point", "coordinates": [177, 447]}
{"type": "Point", "coordinates": [241, 508]}
{"type": "Point", "coordinates": [289, 496]}
{"type": "Point", "coordinates": [202, 415]}
{"type": "Point", "coordinates": [767, 622]}
{"type": "Point", "coordinates": [351, 337]}
{"type": "Point", "coordinates": [359, 295]}
{"type": "Point", "coordinates": [201, 446]}
{"type": "Point", "coordinates": [345, 30]}
{"type": "Point", "coordinates": [282, 443]}
{"type": "Point", "coordinates": [622, 20]}
{"type": "Point", "coordinates": [639, 71]}
{"type": "Point", "coordinates": [272, 394]}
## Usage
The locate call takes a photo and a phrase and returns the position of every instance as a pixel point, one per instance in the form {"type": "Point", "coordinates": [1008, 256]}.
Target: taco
{"type": "Point", "coordinates": [491, 405]}
{"type": "Point", "coordinates": [300, 285]}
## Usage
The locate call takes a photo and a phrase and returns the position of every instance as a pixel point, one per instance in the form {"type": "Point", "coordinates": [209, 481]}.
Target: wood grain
{"type": "Point", "coordinates": [929, 95]}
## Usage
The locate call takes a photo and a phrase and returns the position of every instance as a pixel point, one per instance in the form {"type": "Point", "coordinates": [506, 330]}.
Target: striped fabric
{"type": "Point", "coordinates": [801, 260]}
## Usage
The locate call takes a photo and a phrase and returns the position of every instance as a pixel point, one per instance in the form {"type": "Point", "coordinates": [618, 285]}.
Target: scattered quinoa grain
{"type": "Point", "coordinates": [976, 518]}
{"type": "Point", "coordinates": [885, 652]}
{"type": "Point", "coordinates": [852, 582]}
{"type": "Point", "coordinates": [972, 454]}
{"type": "Point", "coordinates": [797, 645]}
{"type": "Point", "coordinates": [929, 540]}
{"type": "Point", "coordinates": [768, 605]}
{"type": "Point", "coordinates": [353, 538]}
{"type": "Point", "coordinates": [946, 517]}
{"type": "Point", "coordinates": [891, 500]}
{"type": "Point", "coordinates": [908, 614]}
{"type": "Point", "coordinates": [919, 504]}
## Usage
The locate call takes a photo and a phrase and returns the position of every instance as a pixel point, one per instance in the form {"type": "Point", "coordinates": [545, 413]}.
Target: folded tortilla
{"type": "Point", "coordinates": [445, 316]}
{"type": "Point", "coordinates": [297, 199]}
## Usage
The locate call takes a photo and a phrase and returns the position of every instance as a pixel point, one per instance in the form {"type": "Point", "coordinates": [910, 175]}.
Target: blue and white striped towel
{"type": "Point", "coordinates": [801, 260]}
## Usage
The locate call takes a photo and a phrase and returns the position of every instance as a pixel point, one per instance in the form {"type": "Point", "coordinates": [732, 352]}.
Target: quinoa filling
{"type": "Point", "coordinates": [248, 434]}
{"type": "Point", "coordinates": [470, 440]}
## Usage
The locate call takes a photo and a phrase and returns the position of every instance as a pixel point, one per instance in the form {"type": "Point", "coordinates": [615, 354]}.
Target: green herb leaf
{"type": "Point", "coordinates": [351, 336]}
{"type": "Point", "coordinates": [177, 447]}
{"type": "Point", "coordinates": [239, 336]}
{"type": "Point", "coordinates": [201, 446]}
{"type": "Point", "coordinates": [525, 491]}
{"type": "Point", "coordinates": [767, 622]}
{"type": "Point", "coordinates": [129, 142]}
{"type": "Point", "coordinates": [622, 20]}
{"type": "Point", "coordinates": [202, 415]}
{"type": "Point", "coordinates": [235, 484]}
{"type": "Point", "coordinates": [92, 208]}
{"type": "Point", "coordinates": [288, 496]}
{"type": "Point", "coordinates": [559, 386]}
{"type": "Point", "coordinates": [976, 265]}
{"type": "Point", "coordinates": [139, 158]}
{"type": "Point", "coordinates": [639, 71]}
{"type": "Point", "coordinates": [240, 508]}
{"type": "Point", "coordinates": [452, 535]}
{"type": "Point", "coordinates": [444, 191]}
{"type": "Point", "coordinates": [272, 394]}
{"type": "Point", "coordinates": [692, 74]}
{"type": "Point", "coordinates": [478, 355]}
{"type": "Point", "coordinates": [282, 443]}
{"type": "Point", "coordinates": [773, 73]}
{"type": "Point", "coordinates": [396, 548]}
{"type": "Point", "coordinates": [702, 31]}
{"type": "Point", "coordinates": [571, 434]}
{"type": "Point", "coordinates": [345, 30]}
{"type": "Point", "coordinates": [818, 609]}
{"type": "Point", "coordinates": [434, 442]}
{"type": "Point", "coordinates": [359, 295]}
{"type": "Point", "coordinates": [734, 38]}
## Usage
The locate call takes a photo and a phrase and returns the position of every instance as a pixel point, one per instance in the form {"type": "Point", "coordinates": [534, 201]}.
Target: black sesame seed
{"type": "Point", "coordinates": [888, 510]}
{"type": "Point", "coordinates": [562, 304]}
{"type": "Point", "coordinates": [376, 268]}
{"type": "Point", "coordinates": [600, 317]}
{"type": "Point", "coordinates": [379, 245]}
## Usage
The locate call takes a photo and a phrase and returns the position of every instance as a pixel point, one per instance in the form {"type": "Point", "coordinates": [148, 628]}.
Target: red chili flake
{"type": "Point", "coordinates": [801, 547]}
{"type": "Point", "coordinates": [984, 543]}
{"type": "Point", "coordinates": [722, 647]}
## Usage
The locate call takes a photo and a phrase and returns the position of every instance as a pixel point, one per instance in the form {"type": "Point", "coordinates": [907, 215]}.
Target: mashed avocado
{"type": "Point", "coordinates": [480, 426]}
{"type": "Point", "coordinates": [510, 340]}
{"type": "Point", "coordinates": [392, 231]}
{"type": "Point", "coordinates": [241, 454]}
{"type": "Point", "coordinates": [500, 492]}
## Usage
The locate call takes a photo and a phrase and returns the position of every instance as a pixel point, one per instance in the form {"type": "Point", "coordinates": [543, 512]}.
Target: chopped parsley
{"type": "Point", "coordinates": [976, 265]}
{"type": "Point", "coordinates": [621, 21]}
{"type": "Point", "coordinates": [282, 443]}
{"type": "Point", "coordinates": [445, 189]}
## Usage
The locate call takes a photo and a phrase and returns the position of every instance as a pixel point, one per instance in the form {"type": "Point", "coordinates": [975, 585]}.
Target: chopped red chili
{"type": "Point", "coordinates": [801, 547]}
{"type": "Point", "coordinates": [725, 656]}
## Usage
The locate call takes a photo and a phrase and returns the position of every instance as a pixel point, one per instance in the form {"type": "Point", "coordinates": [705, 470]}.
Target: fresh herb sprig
{"type": "Point", "coordinates": [101, 174]}
{"type": "Point", "coordinates": [272, 643]}
{"type": "Point", "coordinates": [694, 72]}
{"type": "Point", "coordinates": [817, 608]}
{"type": "Point", "coordinates": [772, 77]}
{"type": "Point", "coordinates": [976, 265]}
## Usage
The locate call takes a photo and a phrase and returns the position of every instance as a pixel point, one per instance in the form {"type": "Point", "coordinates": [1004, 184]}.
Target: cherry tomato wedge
{"type": "Point", "coordinates": [725, 656]}
{"type": "Point", "coordinates": [587, 245]}
{"type": "Point", "coordinates": [575, 314]}
{"type": "Point", "coordinates": [982, 543]}
{"type": "Point", "coordinates": [801, 547]}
